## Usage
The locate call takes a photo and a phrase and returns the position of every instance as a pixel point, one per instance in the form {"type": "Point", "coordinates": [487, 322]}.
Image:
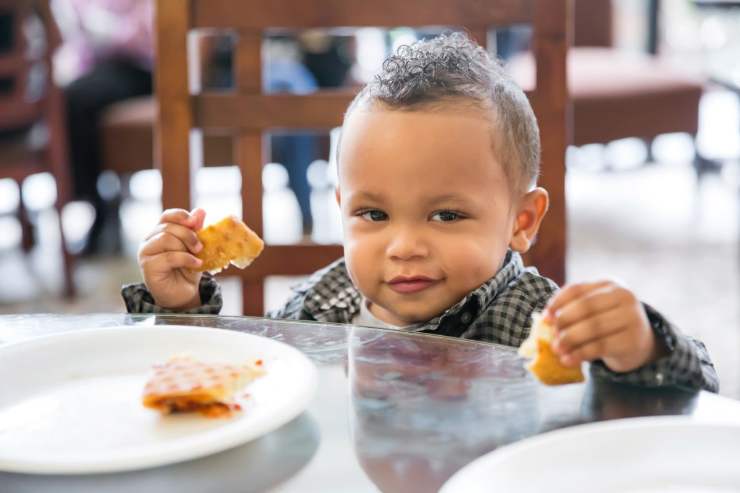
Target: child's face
{"type": "Point", "coordinates": [426, 209]}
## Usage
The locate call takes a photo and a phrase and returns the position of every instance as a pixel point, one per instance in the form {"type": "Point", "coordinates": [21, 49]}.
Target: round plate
{"type": "Point", "coordinates": [642, 455]}
{"type": "Point", "coordinates": [71, 403]}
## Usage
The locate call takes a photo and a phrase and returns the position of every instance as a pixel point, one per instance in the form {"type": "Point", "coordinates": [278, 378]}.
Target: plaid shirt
{"type": "Point", "coordinates": [499, 311]}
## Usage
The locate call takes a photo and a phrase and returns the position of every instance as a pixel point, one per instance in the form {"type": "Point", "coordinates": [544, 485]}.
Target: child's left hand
{"type": "Point", "coordinates": [602, 320]}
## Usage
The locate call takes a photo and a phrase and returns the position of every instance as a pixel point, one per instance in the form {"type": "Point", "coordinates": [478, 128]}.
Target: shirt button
{"type": "Point", "coordinates": [465, 317]}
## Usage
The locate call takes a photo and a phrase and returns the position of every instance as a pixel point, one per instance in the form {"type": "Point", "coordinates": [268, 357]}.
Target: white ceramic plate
{"type": "Point", "coordinates": [71, 403]}
{"type": "Point", "coordinates": [643, 455]}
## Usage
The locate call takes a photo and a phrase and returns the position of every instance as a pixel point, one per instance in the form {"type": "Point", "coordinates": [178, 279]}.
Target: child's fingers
{"type": "Point", "coordinates": [589, 304]}
{"type": "Point", "coordinates": [571, 292]}
{"type": "Point", "coordinates": [193, 220]}
{"type": "Point", "coordinates": [160, 243]}
{"type": "Point", "coordinates": [586, 331]}
{"type": "Point", "coordinates": [596, 349]}
{"type": "Point", "coordinates": [170, 260]}
{"type": "Point", "coordinates": [186, 235]}
{"type": "Point", "coordinates": [177, 216]}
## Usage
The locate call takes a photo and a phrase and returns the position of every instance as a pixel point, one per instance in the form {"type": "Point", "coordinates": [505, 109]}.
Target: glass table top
{"type": "Point", "coordinates": [394, 411]}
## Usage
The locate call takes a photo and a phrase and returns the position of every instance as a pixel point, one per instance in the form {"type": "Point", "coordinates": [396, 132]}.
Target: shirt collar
{"type": "Point", "coordinates": [330, 295]}
{"type": "Point", "coordinates": [467, 309]}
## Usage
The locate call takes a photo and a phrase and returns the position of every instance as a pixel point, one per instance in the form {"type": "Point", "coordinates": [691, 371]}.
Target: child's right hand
{"type": "Point", "coordinates": [167, 260]}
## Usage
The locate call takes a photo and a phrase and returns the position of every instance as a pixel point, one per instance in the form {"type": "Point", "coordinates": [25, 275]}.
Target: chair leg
{"type": "Point", "coordinates": [253, 298]}
{"type": "Point", "coordinates": [649, 156]}
{"type": "Point", "coordinates": [28, 235]}
{"type": "Point", "coordinates": [68, 260]}
{"type": "Point", "coordinates": [703, 164]}
{"type": "Point", "coordinates": [110, 238]}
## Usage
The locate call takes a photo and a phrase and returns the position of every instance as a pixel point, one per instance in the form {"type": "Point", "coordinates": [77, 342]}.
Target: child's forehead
{"type": "Point", "coordinates": [435, 146]}
{"type": "Point", "coordinates": [454, 133]}
{"type": "Point", "coordinates": [434, 127]}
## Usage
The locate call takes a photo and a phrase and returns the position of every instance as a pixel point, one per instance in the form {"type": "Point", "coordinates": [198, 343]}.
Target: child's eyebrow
{"type": "Point", "coordinates": [449, 197]}
{"type": "Point", "coordinates": [369, 196]}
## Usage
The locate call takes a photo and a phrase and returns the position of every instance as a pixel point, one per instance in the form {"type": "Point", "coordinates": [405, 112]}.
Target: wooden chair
{"type": "Point", "coordinates": [127, 138]}
{"type": "Point", "coordinates": [616, 94]}
{"type": "Point", "coordinates": [20, 111]}
{"type": "Point", "coordinates": [248, 113]}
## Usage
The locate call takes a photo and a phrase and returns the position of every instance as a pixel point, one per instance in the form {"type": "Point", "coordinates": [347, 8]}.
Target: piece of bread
{"type": "Point", "coordinates": [228, 241]}
{"type": "Point", "coordinates": [184, 384]}
{"type": "Point", "coordinates": [545, 364]}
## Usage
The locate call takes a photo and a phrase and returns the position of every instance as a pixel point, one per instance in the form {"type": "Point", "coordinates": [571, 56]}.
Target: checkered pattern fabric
{"type": "Point", "coordinates": [499, 311]}
{"type": "Point", "coordinates": [138, 299]}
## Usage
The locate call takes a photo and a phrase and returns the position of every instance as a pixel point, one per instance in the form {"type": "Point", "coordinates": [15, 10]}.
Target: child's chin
{"type": "Point", "coordinates": [411, 316]}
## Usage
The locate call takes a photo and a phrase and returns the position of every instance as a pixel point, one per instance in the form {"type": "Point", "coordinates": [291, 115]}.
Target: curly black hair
{"type": "Point", "coordinates": [452, 69]}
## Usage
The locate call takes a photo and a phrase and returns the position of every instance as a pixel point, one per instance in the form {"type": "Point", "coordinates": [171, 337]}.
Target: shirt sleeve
{"type": "Point", "coordinates": [291, 310]}
{"type": "Point", "coordinates": [686, 365]}
{"type": "Point", "coordinates": [138, 299]}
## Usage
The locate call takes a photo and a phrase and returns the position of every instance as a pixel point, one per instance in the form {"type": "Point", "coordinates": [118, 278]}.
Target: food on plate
{"type": "Point", "coordinates": [228, 241]}
{"type": "Point", "coordinates": [184, 384]}
{"type": "Point", "coordinates": [545, 364]}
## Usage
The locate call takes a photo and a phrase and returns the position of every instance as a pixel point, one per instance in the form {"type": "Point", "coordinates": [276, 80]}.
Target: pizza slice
{"type": "Point", "coordinates": [184, 384]}
{"type": "Point", "coordinates": [545, 364]}
{"type": "Point", "coordinates": [228, 241]}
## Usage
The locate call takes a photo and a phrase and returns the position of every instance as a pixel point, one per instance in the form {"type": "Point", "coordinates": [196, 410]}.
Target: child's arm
{"type": "Point", "coordinates": [138, 299]}
{"type": "Point", "coordinates": [634, 343]}
{"type": "Point", "coordinates": [167, 263]}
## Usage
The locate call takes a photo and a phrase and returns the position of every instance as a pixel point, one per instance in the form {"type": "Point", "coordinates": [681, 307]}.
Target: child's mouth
{"type": "Point", "coordinates": [408, 285]}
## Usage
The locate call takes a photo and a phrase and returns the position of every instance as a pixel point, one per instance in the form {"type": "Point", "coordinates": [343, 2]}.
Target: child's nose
{"type": "Point", "coordinates": [405, 244]}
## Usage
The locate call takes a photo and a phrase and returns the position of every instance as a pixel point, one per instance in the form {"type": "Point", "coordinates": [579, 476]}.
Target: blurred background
{"type": "Point", "coordinates": [652, 184]}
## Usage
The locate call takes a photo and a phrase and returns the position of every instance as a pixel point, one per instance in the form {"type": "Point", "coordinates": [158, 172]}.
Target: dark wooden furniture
{"type": "Point", "coordinates": [616, 94]}
{"type": "Point", "coordinates": [31, 102]}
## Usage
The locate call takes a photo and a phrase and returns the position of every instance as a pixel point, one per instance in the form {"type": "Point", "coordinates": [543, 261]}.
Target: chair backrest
{"type": "Point", "coordinates": [17, 106]}
{"type": "Point", "coordinates": [247, 112]}
{"type": "Point", "coordinates": [30, 96]}
{"type": "Point", "coordinates": [592, 25]}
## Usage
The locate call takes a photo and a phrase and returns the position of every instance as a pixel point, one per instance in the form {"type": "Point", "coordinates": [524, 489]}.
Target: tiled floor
{"type": "Point", "coordinates": [673, 242]}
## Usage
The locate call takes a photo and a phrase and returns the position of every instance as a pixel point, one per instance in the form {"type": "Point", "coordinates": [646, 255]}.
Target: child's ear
{"type": "Point", "coordinates": [532, 208]}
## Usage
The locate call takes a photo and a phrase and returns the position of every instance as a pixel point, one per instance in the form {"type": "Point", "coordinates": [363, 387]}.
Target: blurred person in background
{"type": "Point", "coordinates": [107, 57]}
{"type": "Point", "coordinates": [328, 59]}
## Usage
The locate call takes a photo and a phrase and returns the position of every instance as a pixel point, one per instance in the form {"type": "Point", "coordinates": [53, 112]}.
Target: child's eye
{"type": "Point", "coordinates": [373, 215]}
{"type": "Point", "coordinates": [446, 216]}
